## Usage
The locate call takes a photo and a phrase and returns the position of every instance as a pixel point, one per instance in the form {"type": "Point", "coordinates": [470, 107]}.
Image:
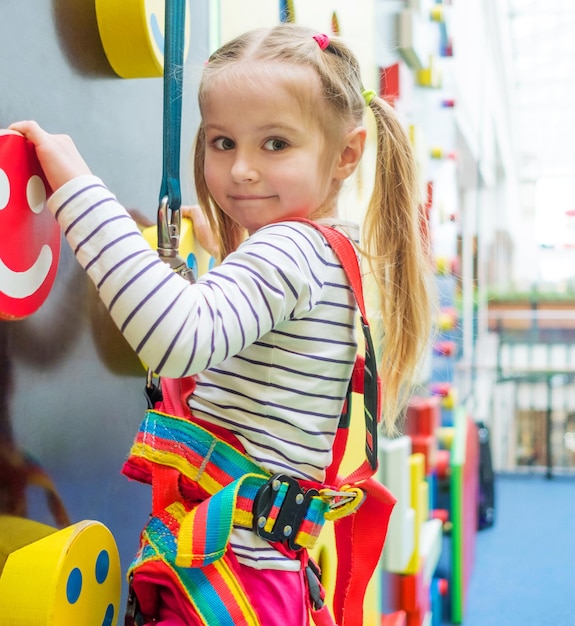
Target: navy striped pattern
{"type": "Point", "coordinates": [269, 334]}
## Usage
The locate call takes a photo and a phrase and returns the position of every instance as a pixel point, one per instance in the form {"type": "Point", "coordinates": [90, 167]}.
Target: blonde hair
{"type": "Point", "coordinates": [392, 241]}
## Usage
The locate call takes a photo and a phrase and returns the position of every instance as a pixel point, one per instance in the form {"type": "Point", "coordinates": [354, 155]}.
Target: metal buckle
{"type": "Point", "coordinates": [169, 224]}
{"type": "Point", "coordinates": [337, 498]}
{"type": "Point", "coordinates": [291, 503]}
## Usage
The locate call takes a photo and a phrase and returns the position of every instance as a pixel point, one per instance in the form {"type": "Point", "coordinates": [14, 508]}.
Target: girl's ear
{"type": "Point", "coordinates": [351, 152]}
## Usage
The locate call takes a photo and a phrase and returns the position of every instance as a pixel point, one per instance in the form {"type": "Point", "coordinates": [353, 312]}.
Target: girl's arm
{"type": "Point", "coordinates": [176, 328]}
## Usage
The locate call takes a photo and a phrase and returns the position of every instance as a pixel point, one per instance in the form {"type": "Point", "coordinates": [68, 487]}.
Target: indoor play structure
{"type": "Point", "coordinates": [72, 569]}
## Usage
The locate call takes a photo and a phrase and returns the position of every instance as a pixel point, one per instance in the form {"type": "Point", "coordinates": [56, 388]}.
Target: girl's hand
{"type": "Point", "coordinates": [202, 230]}
{"type": "Point", "coordinates": [58, 156]}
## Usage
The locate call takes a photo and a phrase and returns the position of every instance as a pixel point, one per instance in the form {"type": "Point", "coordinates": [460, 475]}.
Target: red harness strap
{"type": "Point", "coordinates": [359, 537]}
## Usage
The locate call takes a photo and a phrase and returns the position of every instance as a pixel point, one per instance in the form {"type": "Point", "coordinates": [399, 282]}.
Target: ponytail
{"type": "Point", "coordinates": [397, 261]}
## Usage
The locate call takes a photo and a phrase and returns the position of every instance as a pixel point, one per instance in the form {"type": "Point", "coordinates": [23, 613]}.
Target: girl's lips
{"type": "Point", "coordinates": [250, 197]}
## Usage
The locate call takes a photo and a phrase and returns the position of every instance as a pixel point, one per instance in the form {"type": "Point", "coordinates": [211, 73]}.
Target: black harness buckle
{"type": "Point", "coordinates": [279, 508]}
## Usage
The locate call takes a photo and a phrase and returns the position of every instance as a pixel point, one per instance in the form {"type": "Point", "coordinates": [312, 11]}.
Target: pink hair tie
{"type": "Point", "coordinates": [322, 40]}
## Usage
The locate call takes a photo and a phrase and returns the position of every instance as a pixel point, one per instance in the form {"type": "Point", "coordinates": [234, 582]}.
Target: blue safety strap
{"type": "Point", "coordinates": [174, 43]}
{"type": "Point", "coordinates": [168, 216]}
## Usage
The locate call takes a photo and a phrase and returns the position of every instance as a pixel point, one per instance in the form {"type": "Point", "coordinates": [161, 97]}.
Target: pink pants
{"type": "Point", "coordinates": [277, 596]}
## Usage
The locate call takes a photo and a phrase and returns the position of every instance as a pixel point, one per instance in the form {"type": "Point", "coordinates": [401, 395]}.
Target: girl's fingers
{"type": "Point", "coordinates": [30, 129]}
{"type": "Point", "coordinates": [202, 229]}
{"type": "Point", "coordinates": [57, 154]}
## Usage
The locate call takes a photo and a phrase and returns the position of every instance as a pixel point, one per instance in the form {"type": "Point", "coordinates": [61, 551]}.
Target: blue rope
{"type": "Point", "coordinates": [174, 42]}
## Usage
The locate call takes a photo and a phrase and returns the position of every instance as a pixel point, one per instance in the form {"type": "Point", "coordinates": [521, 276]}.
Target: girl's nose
{"type": "Point", "coordinates": [244, 169]}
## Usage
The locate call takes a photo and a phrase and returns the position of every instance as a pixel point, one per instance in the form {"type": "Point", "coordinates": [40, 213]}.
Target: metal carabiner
{"type": "Point", "coordinates": [169, 224]}
{"type": "Point", "coordinates": [335, 498]}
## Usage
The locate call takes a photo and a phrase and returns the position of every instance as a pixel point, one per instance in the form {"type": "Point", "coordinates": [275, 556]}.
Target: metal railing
{"type": "Point", "coordinates": [526, 374]}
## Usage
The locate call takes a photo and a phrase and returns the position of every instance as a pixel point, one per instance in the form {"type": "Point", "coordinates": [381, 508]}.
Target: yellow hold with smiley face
{"type": "Point", "coordinates": [59, 577]}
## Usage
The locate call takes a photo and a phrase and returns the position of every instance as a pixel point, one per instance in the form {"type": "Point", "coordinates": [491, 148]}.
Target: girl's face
{"type": "Point", "coordinates": [265, 156]}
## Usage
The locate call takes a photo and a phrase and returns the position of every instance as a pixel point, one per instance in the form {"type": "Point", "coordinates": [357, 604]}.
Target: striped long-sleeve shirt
{"type": "Point", "coordinates": [268, 334]}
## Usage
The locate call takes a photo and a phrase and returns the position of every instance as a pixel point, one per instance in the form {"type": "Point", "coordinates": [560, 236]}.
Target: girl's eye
{"type": "Point", "coordinates": [223, 143]}
{"type": "Point", "coordinates": [275, 144]}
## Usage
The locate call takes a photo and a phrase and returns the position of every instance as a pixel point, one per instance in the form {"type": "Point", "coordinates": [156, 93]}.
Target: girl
{"type": "Point", "coordinates": [268, 335]}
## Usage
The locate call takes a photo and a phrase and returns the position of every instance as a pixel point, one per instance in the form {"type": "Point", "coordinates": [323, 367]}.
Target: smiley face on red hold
{"type": "Point", "coordinates": [29, 234]}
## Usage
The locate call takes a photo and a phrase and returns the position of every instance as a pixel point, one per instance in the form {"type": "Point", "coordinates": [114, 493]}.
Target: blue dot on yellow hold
{"type": "Point", "coordinates": [102, 566]}
{"type": "Point", "coordinates": [157, 31]}
{"type": "Point", "coordinates": [109, 617]}
{"type": "Point", "coordinates": [74, 586]}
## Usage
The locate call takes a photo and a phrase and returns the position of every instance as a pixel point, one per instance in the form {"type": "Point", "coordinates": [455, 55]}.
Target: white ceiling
{"type": "Point", "coordinates": [542, 38]}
